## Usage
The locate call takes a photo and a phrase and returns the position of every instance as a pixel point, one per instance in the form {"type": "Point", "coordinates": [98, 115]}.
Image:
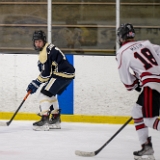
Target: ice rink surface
{"type": "Point", "coordinates": [19, 142]}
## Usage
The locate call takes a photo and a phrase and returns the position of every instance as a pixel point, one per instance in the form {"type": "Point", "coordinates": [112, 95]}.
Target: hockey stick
{"type": "Point", "coordinates": [94, 153]}
{"type": "Point", "coordinates": [9, 122]}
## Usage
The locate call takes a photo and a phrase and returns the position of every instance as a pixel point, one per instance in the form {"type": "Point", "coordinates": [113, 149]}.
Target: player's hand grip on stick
{"type": "Point", "coordinates": [94, 153]}
{"type": "Point", "coordinates": [9, 122]}
{"type": "Point", "coordinates": [33, 86]}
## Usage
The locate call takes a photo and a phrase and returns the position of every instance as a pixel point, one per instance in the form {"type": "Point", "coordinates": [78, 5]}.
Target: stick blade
{"type": "Point", "coordinates": [84, 154]}
{"type": "Point", "coordinates": [3, 123]}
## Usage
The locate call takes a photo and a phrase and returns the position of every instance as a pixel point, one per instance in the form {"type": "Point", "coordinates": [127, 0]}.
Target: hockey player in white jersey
{"type": "Point", "coordinates": [139, 69]}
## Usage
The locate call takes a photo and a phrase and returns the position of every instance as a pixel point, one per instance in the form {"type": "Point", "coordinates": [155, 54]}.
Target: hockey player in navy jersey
{"type": "Point", "coordinates": [56, 73]}
{"type": "Point", "coordinates": [139, 69]}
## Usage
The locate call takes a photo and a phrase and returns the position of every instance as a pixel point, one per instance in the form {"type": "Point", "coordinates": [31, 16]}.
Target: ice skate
{"type": "Point", "coordinates": [146, 153]}
{"type": "Point", "coordinates": [42, 125]}
{"type": "Point", "coordinates": [55, 121]}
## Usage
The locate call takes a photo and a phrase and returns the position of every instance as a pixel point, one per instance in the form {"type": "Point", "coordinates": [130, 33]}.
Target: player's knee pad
{"type": "Point", "coordinates": [137, 111]}
{"type": "Point", "coordinates": [45, 102]}
{"type": "Point", "coordinates": [150, 122]}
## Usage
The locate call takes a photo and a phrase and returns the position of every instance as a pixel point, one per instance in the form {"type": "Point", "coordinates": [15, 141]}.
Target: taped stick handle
{"type": "Point", "coordinates": [28, 93]}
{"type": "Point", "coordinates": [9, 122]}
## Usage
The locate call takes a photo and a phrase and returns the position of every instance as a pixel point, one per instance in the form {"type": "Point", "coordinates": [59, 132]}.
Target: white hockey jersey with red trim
{"type": "Point", "coordinates": [139, 60]}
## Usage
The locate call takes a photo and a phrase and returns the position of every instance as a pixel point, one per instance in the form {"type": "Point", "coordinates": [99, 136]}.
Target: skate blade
{"type": "Point", "coordinates": [40, 128]}
{"type": "Point", "coordinates": [54, 126]}
{"type": "Point", "coordinates": [145, 157]}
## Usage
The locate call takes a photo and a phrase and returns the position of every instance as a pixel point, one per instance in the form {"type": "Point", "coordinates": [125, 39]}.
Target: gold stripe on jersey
{"type": "Point", "coordinates": [65, 75]}
{"type": "Point", "coordinates": [54, 64]}
{"type": "Point", "coordinates": [41, 79]}
{"type": "Point", "coordinates": [43, 54]}
{"type": "Point", "coordinates": [48, 86]}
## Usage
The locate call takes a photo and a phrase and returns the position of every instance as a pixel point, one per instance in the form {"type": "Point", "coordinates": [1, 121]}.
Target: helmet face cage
{"type": "Point", "coordinates": [125, 31]}
{"type": "Point", "coordinates": [37, 35]}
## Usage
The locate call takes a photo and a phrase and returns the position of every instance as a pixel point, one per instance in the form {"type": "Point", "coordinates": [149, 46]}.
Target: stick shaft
{"type": "Point", "coordinates": [97, 151]}
{"type": "Point", "coordinates": [94, 153]}
{"type": "Point", "coordinates": [9, 122]}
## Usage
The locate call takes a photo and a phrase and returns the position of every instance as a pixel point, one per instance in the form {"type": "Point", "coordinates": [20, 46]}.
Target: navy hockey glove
{"type": "Point", "coordinates": [40, 66]}
{"type": "Point", "coordinates": [33, 86]}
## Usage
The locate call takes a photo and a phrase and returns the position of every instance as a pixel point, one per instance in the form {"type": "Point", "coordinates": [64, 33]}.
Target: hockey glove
{"type": "Point", "coordinates": [33, 86]}
{"type": "Point", "coordinates": [138, 88]}
{"type": "Point", "coordinates": [40, 66]}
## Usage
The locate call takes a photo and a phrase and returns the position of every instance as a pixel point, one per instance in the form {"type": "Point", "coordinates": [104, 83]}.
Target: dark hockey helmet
{"type": "Point", "coordinates": [125, 31]}
{"type": "Point", "coordinates": [39, 35]}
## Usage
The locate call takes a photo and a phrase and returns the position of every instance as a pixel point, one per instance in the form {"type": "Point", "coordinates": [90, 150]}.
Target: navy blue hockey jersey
{"type": "Point", "coordinates": [54, 64]}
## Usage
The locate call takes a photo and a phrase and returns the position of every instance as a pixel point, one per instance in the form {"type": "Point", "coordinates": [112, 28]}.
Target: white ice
{"type": "Point", "coordinates": [19, 142]}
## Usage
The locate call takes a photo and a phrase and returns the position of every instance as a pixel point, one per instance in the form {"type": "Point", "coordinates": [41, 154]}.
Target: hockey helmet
{"type": "Point", "coordinates": [37, 35]}
{"type": "Point", "coordinates": [125, 31]}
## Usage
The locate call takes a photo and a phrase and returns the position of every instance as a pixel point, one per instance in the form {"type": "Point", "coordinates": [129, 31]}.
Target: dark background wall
{"type": "Point", "coordinates": [78, 26]}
